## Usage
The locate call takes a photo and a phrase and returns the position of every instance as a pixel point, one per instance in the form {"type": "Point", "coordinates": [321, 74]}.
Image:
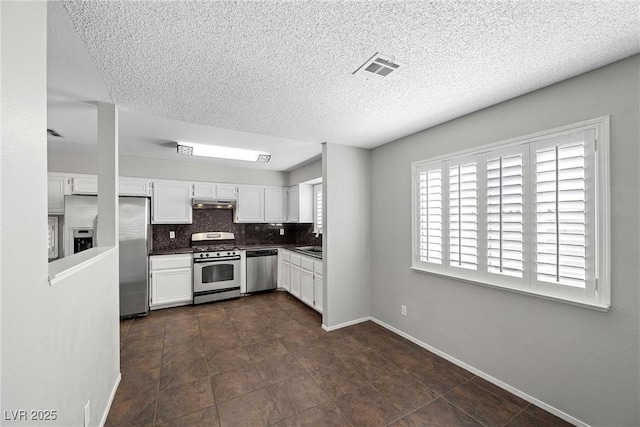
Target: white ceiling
{"type": "Point", "coordinates": [277, 75]}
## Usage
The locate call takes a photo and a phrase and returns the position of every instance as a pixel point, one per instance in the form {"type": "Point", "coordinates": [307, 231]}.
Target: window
{"type": "Point", "coordinates": [317, 208]}
{"type": "Point", "coordinates": [528, 214]}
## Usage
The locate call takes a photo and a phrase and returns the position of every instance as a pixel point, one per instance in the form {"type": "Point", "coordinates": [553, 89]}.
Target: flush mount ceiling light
{"type": "Point", "coordinates": [378, 66]}
{"type": "Point", "coordinates": [205, 150]}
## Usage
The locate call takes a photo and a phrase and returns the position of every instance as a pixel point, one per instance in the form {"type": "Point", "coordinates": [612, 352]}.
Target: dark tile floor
{"type": "Point", "coordinates": [265, 360]}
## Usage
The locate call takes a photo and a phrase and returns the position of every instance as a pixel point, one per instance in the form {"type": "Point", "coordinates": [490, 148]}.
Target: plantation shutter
{"type": "Point", "coordinates": [505, 222]}
{"type": "Point", "coordinates": [562, 212]}
{"type": "Point", "coordinates": [430, 215]}
{"type": "Point", "coordinates": [463, 215]}
{"type": "Point", "coordinates": [317, 189]}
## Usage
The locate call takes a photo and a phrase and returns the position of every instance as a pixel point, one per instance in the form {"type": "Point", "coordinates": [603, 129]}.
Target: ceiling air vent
{"type": "Point", "coordinates": [378, 66]}
{"type": "Point", "coordinates": [53, 133]}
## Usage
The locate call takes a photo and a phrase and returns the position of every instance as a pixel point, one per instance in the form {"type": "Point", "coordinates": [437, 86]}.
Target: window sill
{"type": "Point", "coordinates": [590, 305]}
{"type": "Point", "coordinates": [68, 266]}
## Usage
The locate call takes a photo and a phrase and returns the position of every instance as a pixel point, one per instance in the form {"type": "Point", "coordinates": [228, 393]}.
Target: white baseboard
{"type": "Point", "coordinates": [345, 324]}
{"type": "Point", "coordinates": [110, 402]}
{"type": "Point", "coordinates": [483, 375]}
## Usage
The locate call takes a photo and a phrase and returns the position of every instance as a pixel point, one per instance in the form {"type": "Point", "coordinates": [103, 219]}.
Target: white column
{"type": "Point", "coordinates": [107, 175]}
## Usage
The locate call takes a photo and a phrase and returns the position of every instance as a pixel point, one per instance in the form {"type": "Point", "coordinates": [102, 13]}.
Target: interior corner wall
{"type": "Point", "coordinates": [59, 344]}
{"type": "Point", "coordinates": [581, 362]}
{"type": "Point", "coordinates": [86, 162]}
{"type": "Point", "coordinates": [346, 233]}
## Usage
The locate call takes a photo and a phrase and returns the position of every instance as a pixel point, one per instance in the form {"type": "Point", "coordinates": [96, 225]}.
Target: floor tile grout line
{"type": "Point", "coordinates": [462, 410]}
{"type": "Point", "coordinates": [516, 415]}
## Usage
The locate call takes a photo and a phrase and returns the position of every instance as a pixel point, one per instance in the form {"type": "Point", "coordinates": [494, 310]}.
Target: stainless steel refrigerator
{"type": "Point", "coordinates": [80, 221]}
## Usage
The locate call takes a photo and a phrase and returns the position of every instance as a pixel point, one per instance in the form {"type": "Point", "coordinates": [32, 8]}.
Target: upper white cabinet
{"type": "Point", "coordinates": [171, 202]}
{"type": "Point", "coordinates": [84, 184]}
{"type": "Point", "coordinates": [275, 204]}
{"type": "Point", "coordinates": [293, 210]}
{"type": "Point", "coordinates": [300, 203]}
{"type": "Point", "coordinates": [250, 207]}
{"type": "Point", "coordinates": [134, 187]}
{"type": "Point", "coordinates": [56, 190]}
{"type": "Point", "coordinates": [207, 190]}
{"type": "Point", "coordinates": [227, 191]}
{"type": "Point", "coordinates": [204, 190]}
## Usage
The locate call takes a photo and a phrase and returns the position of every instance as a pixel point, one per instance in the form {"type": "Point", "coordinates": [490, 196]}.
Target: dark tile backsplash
{"type": "Point", "coordinates": [246, 234]}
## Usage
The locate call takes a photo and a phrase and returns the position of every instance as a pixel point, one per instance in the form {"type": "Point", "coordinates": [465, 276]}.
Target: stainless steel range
{"type": "Point", "coordinates": [216, 267]}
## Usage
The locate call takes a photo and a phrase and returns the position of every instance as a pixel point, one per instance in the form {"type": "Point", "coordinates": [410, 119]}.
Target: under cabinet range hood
{"type": "Point", "coordinates": [213, 204]}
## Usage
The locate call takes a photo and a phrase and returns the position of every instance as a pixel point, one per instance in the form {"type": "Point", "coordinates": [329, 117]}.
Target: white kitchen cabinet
{"type": "Point", "coordinates": [171, 280]}
{"type": "Point", "coordinates": [306, 287]}
{"type": "Point", "coordinates": [140, 187]}
{"type": "Point", "coordinates": [303, 275]}
{"type": "Point", "coordinates": [205, 190]}
{"type": "Point", "coordinates": [275, 204]}
{"type": "Point", "coordinates": [250, 206]}
{"type": "Point", "coordinates": [293, 196]}
{"type": "Point", "coordinates": [226, 192]}
{"type": "Point", "coordinates": [318, 286]}
{"type": "Point", "coordinates": [171, 202]}
{"type": "Point", "coordinates": [211, 191]}
{"type": "Point", "coordinates": [284, 278]}
{"type": "Point", "coordinates": [295, 281]}
{"type": "Point", "coordinates": [84, 184]}
{"type": "Point", "coordinates": [56, 190]}
{"type": "Point", "coordinates": [300, 203]}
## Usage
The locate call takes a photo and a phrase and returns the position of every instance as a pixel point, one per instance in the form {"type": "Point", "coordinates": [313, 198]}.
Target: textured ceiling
{"type": "Point", "coordinates": [284, 68]}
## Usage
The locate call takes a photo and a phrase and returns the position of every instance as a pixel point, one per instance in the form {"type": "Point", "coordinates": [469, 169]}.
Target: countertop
{"type": "Point", "coordinates": [240, 247]}
{"type": "Point", "coordinates": [171, 251]}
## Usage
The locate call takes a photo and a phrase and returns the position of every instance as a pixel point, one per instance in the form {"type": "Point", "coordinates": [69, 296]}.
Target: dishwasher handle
{"type": "Point", "coordinates": [263, 252]}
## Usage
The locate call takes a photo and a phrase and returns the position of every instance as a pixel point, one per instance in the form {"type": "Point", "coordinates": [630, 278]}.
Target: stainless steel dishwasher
{"type": "Point", "coordinates": [262, 270]}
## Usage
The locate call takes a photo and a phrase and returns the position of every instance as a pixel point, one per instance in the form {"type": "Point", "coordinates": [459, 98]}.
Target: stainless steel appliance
{"type": "Point", "coordinates": [216, 267]}
{"type": "Point", "coordinates": [83, 239]}
{"type": "Point", "coordinates": [81, 213]}
{"type": "Point", "coordinates": [262, 271]}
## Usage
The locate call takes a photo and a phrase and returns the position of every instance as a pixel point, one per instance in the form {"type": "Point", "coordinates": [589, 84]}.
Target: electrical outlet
{"type": "Point", "coordinates": [172, 234]}
{"type": "Point", "coordinates": [87, 413]}
{"type": "Point", "coordinates": [403, 310]}
{"type": "Point", "coordinates": [282, 231]}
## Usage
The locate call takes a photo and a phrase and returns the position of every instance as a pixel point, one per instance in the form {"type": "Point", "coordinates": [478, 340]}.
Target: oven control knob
{"type": "Point", "coordinates": [218, 254]}
{"type": "Point", "coordinates": [201, 255]}
{"type": "Point", "coordinates": [228, 253]}
{"type": "Point", "coordinates": [207, 255]}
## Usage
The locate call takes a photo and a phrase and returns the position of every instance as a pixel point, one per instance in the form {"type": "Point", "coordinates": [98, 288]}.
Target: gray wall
{"type": "Point", "coordinates": [305, 173]}
{"type": "Point", "coordinates": [346, 234]}
{"type": "Point", "coordinates": [63, 161]}
{"type": "Point", "coordinates": [59, 344]}
{"type": "Point", "coordinates": [580, 361]}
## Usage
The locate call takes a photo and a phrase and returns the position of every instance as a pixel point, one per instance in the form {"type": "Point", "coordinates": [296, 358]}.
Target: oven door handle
{"type": "Point", "coordinates": [212, 260]}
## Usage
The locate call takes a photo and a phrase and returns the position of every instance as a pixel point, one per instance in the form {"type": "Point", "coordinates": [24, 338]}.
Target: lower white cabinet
{"type": "Point", "coordinates": [295, 281]}
{"type": "Point", "coordinates": [306, 286]}
{"type": "Point", "coordinates": [171, 280]}
{"type": "Point", "coordinates": [284, 277]}
{"type": "Point", "coordinates": [302, 276]}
